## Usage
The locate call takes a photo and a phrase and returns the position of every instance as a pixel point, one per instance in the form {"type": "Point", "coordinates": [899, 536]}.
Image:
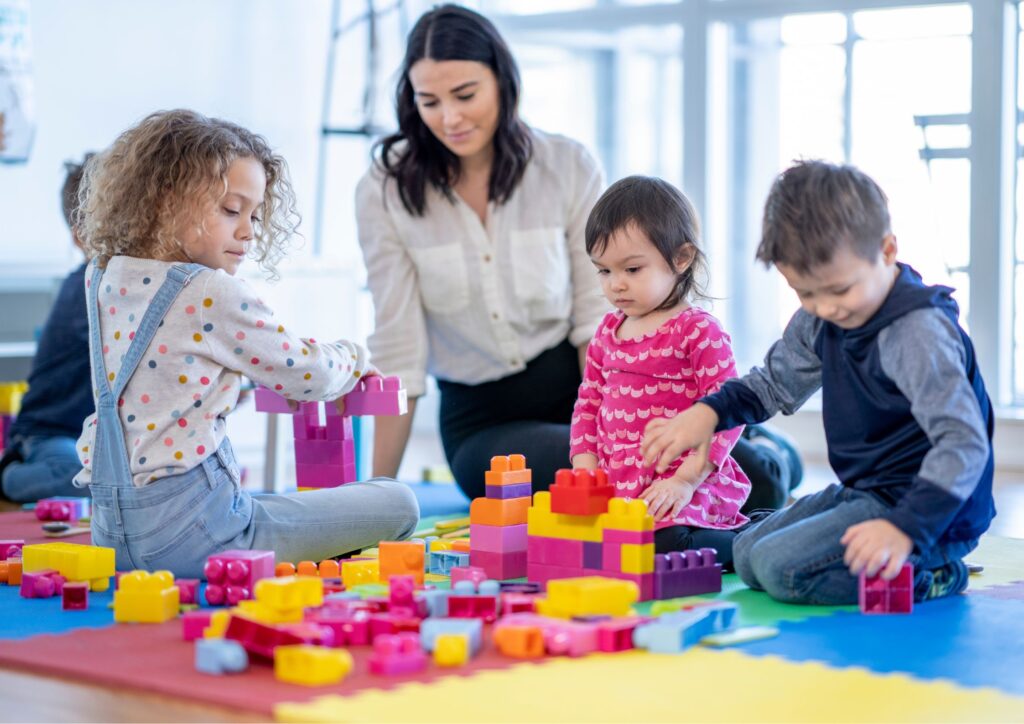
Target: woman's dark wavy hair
{"type": "Point", "coordinates": [414, 156]}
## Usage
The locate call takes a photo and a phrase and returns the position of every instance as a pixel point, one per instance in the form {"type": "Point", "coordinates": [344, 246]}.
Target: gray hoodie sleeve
{"type": "Point", "coordinates": [790, 375]}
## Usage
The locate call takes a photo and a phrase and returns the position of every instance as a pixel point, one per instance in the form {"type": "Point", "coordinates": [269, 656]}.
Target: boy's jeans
{"type": "Point", "coordinates": [48, 465]}
{"type": "Point", "coordinates": [795, 554]}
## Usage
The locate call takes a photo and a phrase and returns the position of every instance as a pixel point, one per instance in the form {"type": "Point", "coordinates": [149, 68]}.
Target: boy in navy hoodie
{"type": "Point", "coordinates": [906, 415]}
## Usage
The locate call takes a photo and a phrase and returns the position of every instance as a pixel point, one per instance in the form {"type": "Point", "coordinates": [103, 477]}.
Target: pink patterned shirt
{"type": "Point", "coordinates": [628, 382]}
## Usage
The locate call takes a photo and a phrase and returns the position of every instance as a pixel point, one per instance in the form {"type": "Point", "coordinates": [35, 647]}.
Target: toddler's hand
{"type": "Point", "coordinates": [876, 545]}
{"type": "Point", "coordinates": [586, 461]}
{"type": "Point", "coordinates": [370, 371]}
{"type": "Point", "coordinates": [667, 497]}
{"type": "Point", "coordinates": [665, 440]}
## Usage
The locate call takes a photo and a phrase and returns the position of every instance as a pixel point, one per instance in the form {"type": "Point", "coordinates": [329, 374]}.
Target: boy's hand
{"type": "Point", "coordinates": [876, 545]}
{"type": "Point", "coordinates": [586, 461]}
{"type": "Point", "coordinates": [665, 440]}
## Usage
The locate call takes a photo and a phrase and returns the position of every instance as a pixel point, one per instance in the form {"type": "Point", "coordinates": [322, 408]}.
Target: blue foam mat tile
{"type": "Point", "coordinates": [971, 640]}
{"type": "Point", "coordinates": [439, 499]}
{"type": "Point", "coordinates": [21, 618]}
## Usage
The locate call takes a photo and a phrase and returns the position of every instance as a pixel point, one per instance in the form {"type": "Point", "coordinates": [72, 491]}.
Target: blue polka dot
{"type": "Point", "coordinates": [330, 363]}
{"type": "Point", "coordinates": [152, 365]}
{"type": "Point", "coordinates": [108, 289]}
{"type": "Point", "coordinates": [306, 392]}
{"type": "Point", "coordinates": [197, 403]}
{"type": "Point", "coordinates": [245, 305]}
{"type": "Point", "coordinates": [189, 359]}
{"type": "Point", "coordinates": [207, 327]}
{"type": "Point", "coordinates": [131, 317]}
{"type": "Point", "coordinates": [290, 362]}
{"type": "Point", "coordinates": [192, 434]}
{"type": "Point", "coordinates": [142, 461]}
{"type": "Point", "coordinates": [131, 418]}
{"type": "Point", "coordinates": [238, 350]}
{"type": "Point", "coordinates": [170, 469]}
{"type": "Point", "coordinates": [145, 280]}
{"type": "Point", "coordinates": [175, 414]}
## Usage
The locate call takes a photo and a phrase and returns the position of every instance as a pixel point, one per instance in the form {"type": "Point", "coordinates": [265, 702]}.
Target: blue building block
{"type": "Point", "coordinates": [432, 627]}
{"type": "Point", "coordinates": [676, 632]}
{"type": "Point", "coordinates": [437, 603]}
{"type": "Point", "coordinates": [442, 562]}
{"type": "Point", "coordinates": [220, 656]}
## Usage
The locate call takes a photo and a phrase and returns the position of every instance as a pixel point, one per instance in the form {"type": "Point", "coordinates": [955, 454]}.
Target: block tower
{"type": "Point", "coordinates": [497, 522]}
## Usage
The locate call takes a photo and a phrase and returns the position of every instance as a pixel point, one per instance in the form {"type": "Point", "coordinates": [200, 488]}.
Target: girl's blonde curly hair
{"type": "Point", "coordinates": [163, 174]}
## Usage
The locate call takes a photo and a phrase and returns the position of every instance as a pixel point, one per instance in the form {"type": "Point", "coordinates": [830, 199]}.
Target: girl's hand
{"type": "Point", "coordinates": [665, 440]}
{"type": "Point", "coordinates": [667, 497]}
{"type": "Point", "coordinates": [586, 461]}
{"type": "Point", "coordinates": [370, 371]}
{"type": "Point", "coordinates": [876, 545]}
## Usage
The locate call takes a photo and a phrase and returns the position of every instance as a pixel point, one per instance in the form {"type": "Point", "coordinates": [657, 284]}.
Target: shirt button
{"type": "Point", "coordinates": [494, 315]}
{"type": "Point", "coordinates": [487, 257]}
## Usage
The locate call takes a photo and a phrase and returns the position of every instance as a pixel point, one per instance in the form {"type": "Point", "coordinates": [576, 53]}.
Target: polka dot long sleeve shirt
{"type": "Point", "coordinates": [217, 330]}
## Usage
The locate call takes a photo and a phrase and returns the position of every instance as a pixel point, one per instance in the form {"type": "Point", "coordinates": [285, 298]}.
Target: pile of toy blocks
{"type": "Point", "coordinates": [497, 531]}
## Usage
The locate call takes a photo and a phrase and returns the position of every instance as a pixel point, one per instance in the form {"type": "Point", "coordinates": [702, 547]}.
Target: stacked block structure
{"type": "Point", "coordinates": [497, 522]}
{"type": "Point", "coordinates": [324, 441]}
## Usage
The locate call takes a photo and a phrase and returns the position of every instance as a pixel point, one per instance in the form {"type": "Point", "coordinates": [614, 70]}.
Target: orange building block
{"type": "Point", "coordinates": [494, 511]}
{"type": "Point", "coordinates": [402, 558]}
{"type": "Point", "coordinates": [520, 642]}
{"type": "Point", "coordinates": [508, 470]}
{"type": "Point", "coordinates": [460, 545]}
{"type": "Point", "coordinates": [13, 571]}
{"type": "Point", "coordinates": [330, 568]}
{"type": "Point", "coordinates": [284, 568]}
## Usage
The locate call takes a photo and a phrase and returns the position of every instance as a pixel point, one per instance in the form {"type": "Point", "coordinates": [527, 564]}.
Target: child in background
{"type": "Point", "coordinates": [907, 419]}
{"type": "Point", "coordinates": [168, 214]}
{"type": "Point", "coordinates": [41, 460]}
{"type": "Point", "coordinates": [651, 358]}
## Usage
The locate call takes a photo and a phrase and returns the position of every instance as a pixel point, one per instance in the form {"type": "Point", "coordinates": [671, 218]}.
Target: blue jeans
{"type": "Point", "coordinates": [48, 465]}
{"type": "Point", "coordinates": [176, 522]}
{"type": "Point", "coordinates": [796, 557]}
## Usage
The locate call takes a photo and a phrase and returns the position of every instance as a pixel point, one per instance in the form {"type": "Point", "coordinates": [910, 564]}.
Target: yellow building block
{"type": "Point", "coordinates": [264, 613]}
{"type": "Point", "coordinates": [144, 597]}
{"type": "Point", "coordinates": [508, 470]}
{"type": "Point", "coordinates": [219, 621]}
{"type": "Point", "coordinates": [293, 592]}
{"type": "Point", "coordinates": [637, 558]}
{"type": "Point", "coordinates": [311, 665]}
{"type": "Point", "coordinates": [540, 521]}
{"type": "Point", "coordinates": [588, 596]}
{"type": "Point", "coordinates": [451, 649]}
{"type": "Point", "coordinates": [627, 514]}
{"type": "Point", "coordinates": [74, 561]}
{"type": "Point", "coordinates": [10, 397]}
{"type": "Point", "coordinates": [354, 573]}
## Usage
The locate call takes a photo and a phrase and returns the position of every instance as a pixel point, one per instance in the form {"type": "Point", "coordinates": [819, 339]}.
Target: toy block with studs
{"type": "Point", "coordinates": [686, 573]}
{"type": "Point", "coordinates": [218, 656]}
{"type": "Point", "coordinates": [41, 584]}
{"type": "Point", "coordinates": [232, 575]}
{"type": "Point", "coordinates": [311, 665]}
{"type": "Point", "coordinates": [62, 508]}
{"type": "Point", "coordinates": [520, 642]}
{"type": "Point", "coordinates": [469, 601]}
{"type": "Point", "coordinates": [433, 628]}
{"type": "Point", "coordinates": [588, 596]}
{"type": "Point", "coordinates": [541, 521]}
{"type": "Point", "coordinates": [11, 548]}
{"type": "Point", "coordinates": [399, 558]}
{"type": "Point", "coordinates": [451, 650]}
{"type": "Point", "coordinates": [476, 574]}
{"type": "Point", "coordinates": [359, 572]}
{"type": "Point", "coordinates": [628, 514]}
{"type": "Point", "coordinates": [74, 561]}
{"type": "Point", "coordinates": [508, 470]}
{"type": "Point", "coordinates": [75, 596]}
{"type": "Point", "coordinates": [144, 597]}
{"type": "Point", "coordinates": [193, 623]}
{"type": "Point", "coordinates": [876, 595]}
{"type": "Point", "coordinates": [397, 654]}
{"type": "Point", "coordinates": [377, 396]}
{"type": "Point", "coordinates": [581, 492]}
{"type": "Point", "coordinates": [498, 511]}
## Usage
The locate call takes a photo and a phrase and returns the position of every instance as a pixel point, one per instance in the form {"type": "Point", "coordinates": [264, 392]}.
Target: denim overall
{"type": "Point", "coordinates": [176, 522]}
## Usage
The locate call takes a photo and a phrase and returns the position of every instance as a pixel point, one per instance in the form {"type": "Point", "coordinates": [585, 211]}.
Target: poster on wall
{"type": "Point", "coordinates": [17, 110]}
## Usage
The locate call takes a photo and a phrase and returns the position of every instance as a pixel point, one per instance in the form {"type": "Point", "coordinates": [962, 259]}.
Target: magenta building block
{"type": "Point", "coordinates": [11, 548]}
{"type": "Point", "coordinates": [593, 555]}
{"type": "Point", "coordinates": [350, 628]}
{"type": "Point", "coordinates": [269, 401]}
{"type": "Point", "coordinates": [377, 396]}
{"type": "Point", "coordinates": [322, 452]}
{"type": "Point", "coordinates": [498, 538]}
{"type": "Point", "coordinates": [41, 584]}
{"type": "Point", "coordinates": [339, 428]}
{"type": "Point", "coordinates": [75, 596]}
{"type": "Point", "coordinates": [635, 537]}
{"type": "Point", "coordinates": [397, 654]}
{"type": "Point", "coordinates": [193, 623]}
{"type": "Point", "coordinates": [611, 556]}
{"type": "Point", "coordinates": [475, 574]}
{"type": "Point", "coordinates": [877, 595]}
{"type": "Point", "coordinates": [231, 575]}
{"type": "Point", "coordinates": [188, 589]}
{"type": "Point", "coordinates": [686, 573]}
{"type": "Point", "coordinates": [555, 551]}
{"type": "Point", "coordinates": [323, 476]}
{"type": "Point", "coordinates": [544, 572]}
{"type": "Point", "coordinates": [504, 492]}
{"type": "Point", "coordinates": [500, 566]}
{"type": "Point", "coordinates": [62, 508]}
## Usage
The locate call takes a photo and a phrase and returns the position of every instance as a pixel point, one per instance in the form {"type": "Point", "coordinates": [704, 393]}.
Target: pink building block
{"type": "Point", "coordinates": [231, 575]}
{"type": "Point", "coordinates": [350, 628]}
{"type": "Point", "coordinates": [517, 603]}
{"type": "Point", "coordinates": [323, 452]}
{"type": "Point", "coordinates": [500, 566]}
{"type": "Point", "coordinates": [41, 584]}
{"type": "Point", "coordinates": [555, 551]}
{"type": "Point", "coordinates": [634, 537]}
{"type": "Point", "coordinates": [397, 654]}
{"type": "Point", "coordinates": [377, 396]}
{"type": "Point", "coordinates": [498, 538]}
{"type": "Point", "coordinates": [62, 508]}
{"type": "Point", "coordinates": [11, 548]}
{"type": "Point", "coordinates": [475, 574]}
{"type": "Point", "coordinates": [194, 622]}
{"type": "Point", "coordinates": [473, 606]}
{"type": "Point", "coordinates": [269, 401]}
{"type": "Point", "coordinates": [188, 589]}
{"type": "Point", "coordinates": [401, 595]}
{"type": "Point", "coordinates": [686, 573]}
{"type": "Point", "coordinates": [75, 596]}
{"type": "Point", "coordinates": [880, 596]}
{"type": "Point", "coordinates": [617, 634]}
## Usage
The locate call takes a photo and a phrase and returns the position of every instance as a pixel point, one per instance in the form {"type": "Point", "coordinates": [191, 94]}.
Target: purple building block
{"type": "Point", "coordinates": [269, 401]}
{"type": "Point", "coordinates": [377, 396]}
{"type": "Point", "coordinates": [231, 575]}
{"type": "Point", "coordinates": [498, 538]}
{"type": "Point", "coordinates": [75, 596]}
{"type": "Point", "coordinates": [592, 555]}
{"type": "Point", "coordinates": [686, 573]}
{"type": "Point", "coordinates": [880, 596]}
{"type": "Point", "coordinates": [11, 548]}
{"type": "Point", "coordinates": [504, 492]}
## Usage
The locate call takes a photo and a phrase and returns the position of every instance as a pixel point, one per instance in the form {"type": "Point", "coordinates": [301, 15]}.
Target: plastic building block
{"type": "Point", "coordinates": [451, 650]}
{"type": "Point", "coordinates": [269, 401]}
{"type": "Point", "coordinates": [349, 628]}
{"type": "Point", "coordinates": [558, 551]}
{"type": "Point", "coordinates": [290, 593]}
{"type": "Point", "coordinates": [465, 602]}
{"type": "Point", "coordinates": [497, 511]}
{"type": "Point", "coordinates": [520, 642]}
{"type": "Point", "coordinates": [397, 654]}
{"type": "Point", "coordinates": [354, 573]}
{"type": "Point", "coordinates": [588, 596]}
{"type": "Point", "coordinates": [402, 557]}
{"type": "Point", "coordinates": [627, 514]}
{"type": "Point", "coordinates": [461, 545]}
{"type": "Point", "coordinates": [475, 574]}
{"type": "Point", "coordinates": [686, 573]}
{"type": "Point", "coordinates": [193, 623]}
{"type": "Point", "coordinates": [508, 470]}
{"type": "Point", "coordinates": [581, 492]}
{"type": "Point", "coordinates": [329, 568]}
{"type": "Point", "coordinates": [231, 575]}
{"type": "Point", "coordinates": [188, 590]}
{"type": "Point", "coordinates": [441, 563]}
{"type": "Point", "coordinates": [74, 561]}
{"type": "Point", "coordinates": [145, 597]}
{"type": "Point", "coordinates": [500, 565]}
{"type": "Point", "coordinates": [569, 638]}
{"type": "Point", "coordinates": [401, 595]}
{"type": "Point", "coordinates": [14, 571]}
{"type": "Point", "coordinates": [877, 595]}
{"type": "Point", "coordinates": [673, 633]}
{"type": "Point", "coordinates": [502, 492]}
{"type": "Point", "coordinates": [436, 602]}
{"type": "Point", "coordinates": [643, 581]}
{"type": "Point", "coordinates": [260, 639]}
{"type": "Point", "coordinates": [306, 568]}
{"type": "Point", "coordinates": [284, 568]}
{"type": "Point", "coordinates": [634, 558]}
{"type": "Point", "coordinates": [542, 522]}
{"type": "Point", "coordinates": [11, 548]}
{"type": "Point", "coordinates": [311, 665]}
{"type": "Point", "coordinates": [617, 634]}
{"type": "Point", "coordinates": [75, 596]}
{"type": "Point", "coordinates": [432, 628]}
{"type": "Point", "coordinates": [41, 584]}
{"type": "Point", "coordinates": [62, 508]}
{"type": "Point", "coordinates": [218, 656]}
{"type": "Point", "coordinates": [377, 396]}
{"type": "Point", "coordinates": [498, 539]}
{"type": "Point", "coordinates": [517, 603]}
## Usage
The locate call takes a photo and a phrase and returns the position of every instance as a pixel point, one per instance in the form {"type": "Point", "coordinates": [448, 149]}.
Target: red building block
{"type": "Point", "coordinates": [877, 595]}
{"type": "Point", "coordinates": [397, 654]}
{"type": "Point", "coordinates": [349, 628]}
{"type": "Point", "coordinates": [75, 596]}
{"type": "Point", "coordinates": [473, 606]}
{"type": "Point", "coordinates": [260, 639]}
{"type": "Point", "coordinates": [617, 634]}
{"type": "Point", "coordinates": [581, 492]}
{"type": "Point", "coordinates": [231, 575]}
{"type": "Point", "coordinates": [398, 558]}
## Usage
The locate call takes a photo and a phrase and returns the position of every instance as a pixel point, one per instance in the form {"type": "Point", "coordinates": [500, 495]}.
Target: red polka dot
{"type": "Point", "coordinates": [131, 335]}
{"type": "Point", "coordinates": [204, 380]}
{"type": "Point", "coordinates": [168, 441]}
{"type": "Point", "coordinates": [278, 387]}
{"type": "Point", "coordinates": [239, 335]}
{"type": "Point", "coordinates": [286, 346]}
{"type": "Point", "coordinates": [196, 396]}
{"type": "Point", "coordinates": [182, 422]}
{"type": "Point", "coordinates": [312, 341]}
{"type": "Point", "coordinates": [162, 349]}
{"type": "Point", "coordinates": [268, 368]}
{"type": "Point", "coordinates": [123, 291]}
{"type": "Point", "coordinates": [120, 402]}
{"type": "Point", "coordinates": [255, 360]}
{"type": "Point", "coordinates": [190, 309]}
{"type": "Point", "coordinates": [105, 349]}
{"type": "Point", "coordinates": [201, 449]}
{"type": "Point", "coordinates": [145, 399]}
{"type": "Point", "coordinates": [113, 310]}
{"type": "Point", "coordinates": [259, 323]}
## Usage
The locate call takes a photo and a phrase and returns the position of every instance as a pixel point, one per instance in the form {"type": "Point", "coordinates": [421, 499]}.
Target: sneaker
{"type": "Point", "coordinates": [949, 579]}
{"type": "Point", "coordinates": [783, 445]}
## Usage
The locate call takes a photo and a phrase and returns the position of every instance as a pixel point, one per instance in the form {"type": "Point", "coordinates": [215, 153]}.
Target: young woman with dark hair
{"type": "Point", "coordinates": [472, 229]}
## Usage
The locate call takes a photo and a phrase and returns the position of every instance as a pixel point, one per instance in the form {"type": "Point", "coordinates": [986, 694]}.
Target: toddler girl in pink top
{"type": "Point", "coordinates": [654, 357]}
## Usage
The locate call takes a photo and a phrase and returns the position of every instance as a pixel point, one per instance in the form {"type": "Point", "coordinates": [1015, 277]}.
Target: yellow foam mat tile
{"type": "Point", "coordinates": [699, 685]}
{"type": "Point", "coordinates": [1002, 558]}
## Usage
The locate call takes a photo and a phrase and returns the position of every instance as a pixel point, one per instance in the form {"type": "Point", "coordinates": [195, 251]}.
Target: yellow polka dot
{"type": "Point", "coordinates": [305, 351]}
{"type": "Point", "coordinates": [111, 377]}
{"type": "Point", "coordinates": [151, 426]}
{"type": "Point", "coordinates": [85, 449]}
{"type": "Point", "coordinates": [197, 337]}
{"type": "Point", "coordinates": [357, 374]}
{"type": "Point", "coordinates": [306, 376]}
{"type": "Point", "coordinates": [207, 302]}
{"type": "Point", "coordinates": [280, 328]}
{"type": "Point", "coordinates": [177, 455]}
{"type": "Point", "coordinates": [182, 379]}
{"type": "Point", "coordinates": [117, 334]}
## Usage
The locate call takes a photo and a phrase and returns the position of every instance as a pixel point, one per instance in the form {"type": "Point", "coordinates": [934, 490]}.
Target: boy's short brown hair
{"type": "Point", "coordinates": [815, 207]}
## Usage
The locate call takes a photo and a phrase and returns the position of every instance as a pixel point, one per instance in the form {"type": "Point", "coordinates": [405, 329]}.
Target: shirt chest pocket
{"type": "Point", "coordinates": [444, 284]}
{"type": "Point", "coordinates": [540, 267]}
